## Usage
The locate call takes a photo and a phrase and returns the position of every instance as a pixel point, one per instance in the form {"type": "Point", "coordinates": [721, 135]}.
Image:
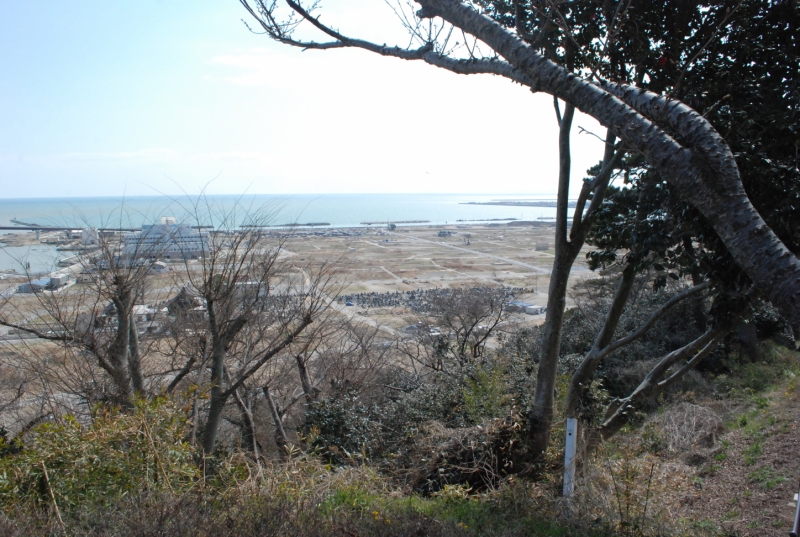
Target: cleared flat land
{"type": "Point", "coordinates": [416, 257]}
{"type": "Point", "coordinates": [374, 260]}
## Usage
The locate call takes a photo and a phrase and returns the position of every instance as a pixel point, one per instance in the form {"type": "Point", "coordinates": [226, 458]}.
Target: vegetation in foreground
{"type": "Point", "coordinates": [708, 458]}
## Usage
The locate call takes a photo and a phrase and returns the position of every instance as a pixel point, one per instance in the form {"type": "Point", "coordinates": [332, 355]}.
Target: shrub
{"type": "Point", "coordinates": [118, 454]}
{"type": "Point", "coordinates": [341, 426]}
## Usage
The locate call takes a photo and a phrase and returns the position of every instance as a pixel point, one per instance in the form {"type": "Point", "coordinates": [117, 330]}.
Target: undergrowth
{"type": "Point", "coordinates": [133, 473]}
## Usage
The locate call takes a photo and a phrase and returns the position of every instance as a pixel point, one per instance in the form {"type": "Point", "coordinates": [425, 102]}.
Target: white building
{"type": "Point", "coordinates": [89, 236]}
{"type": "Point", "coordinates": [167, 240]}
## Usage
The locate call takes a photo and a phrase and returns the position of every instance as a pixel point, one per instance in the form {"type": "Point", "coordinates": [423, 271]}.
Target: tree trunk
{"type": "Point", "coordinates": [705, 172]}
{"type": "Point", "coordinates": [248, 424]}
{"type": "Point", "coordinates": [281, 440]}
{"type": "Point", "coordinates": [583, 375]}
{"type": "Point", "coordinates": [540, 417]}
{"type": "Point", "coordinates": [119, 353]}
{"type": "Point", "coordinates": [217, 397]}
{"type": "Point", "coordinates": [310, 391]}
{"type": "Point", "coordinates": [135, 359]}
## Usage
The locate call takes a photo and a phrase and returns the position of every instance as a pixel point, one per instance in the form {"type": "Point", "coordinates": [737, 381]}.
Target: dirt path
{"type": "Point", "coordinates": [750, 484]}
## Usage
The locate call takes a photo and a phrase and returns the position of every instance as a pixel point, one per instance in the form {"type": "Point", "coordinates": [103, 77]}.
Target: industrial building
{"type": "Point", "coordinates": [167, 240]}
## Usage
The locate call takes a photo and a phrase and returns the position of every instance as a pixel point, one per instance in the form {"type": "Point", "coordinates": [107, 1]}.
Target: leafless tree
{"type": "Point", "coordinates": [453, 335]}
{"type": "Point", "coordinates": [338, 353]}
{"type": "Point", "coordinates": [93, 318]}
{"type": "Point", "coordinates": [256, 303]}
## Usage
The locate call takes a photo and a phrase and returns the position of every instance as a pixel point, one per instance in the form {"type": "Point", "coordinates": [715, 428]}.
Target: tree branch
{"type": "Point", "coordinates": [267, 356]}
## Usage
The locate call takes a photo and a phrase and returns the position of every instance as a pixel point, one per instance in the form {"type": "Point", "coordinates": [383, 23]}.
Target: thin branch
{"type": "Point", "coordinates": [267, 356]}
{"type": "Point", "coordinates": [683, 295]}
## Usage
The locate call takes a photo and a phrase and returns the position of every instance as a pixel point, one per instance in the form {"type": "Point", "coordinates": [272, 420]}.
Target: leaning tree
{"type": "Point", "coordinates": [675, 140]}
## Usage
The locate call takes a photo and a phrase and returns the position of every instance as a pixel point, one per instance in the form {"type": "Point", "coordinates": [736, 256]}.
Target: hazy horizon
{"type": "Point", "coordinates": [163, 96]}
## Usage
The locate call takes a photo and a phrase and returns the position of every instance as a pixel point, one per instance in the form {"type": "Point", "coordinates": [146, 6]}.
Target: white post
{"type": "Point", "coordinates": [569, 457]}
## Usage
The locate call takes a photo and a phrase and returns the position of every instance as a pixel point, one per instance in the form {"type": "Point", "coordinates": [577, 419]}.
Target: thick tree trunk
{"type": "Point", "coordinates": [217, 398]}
{"type": "Point", "coordinates": [119, 353]}
{"type": "Point", "coordinates": [705, 173]}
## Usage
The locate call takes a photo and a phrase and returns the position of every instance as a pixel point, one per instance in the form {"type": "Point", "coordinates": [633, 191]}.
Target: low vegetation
{"type": "Point", "coordinates": [431, 442]}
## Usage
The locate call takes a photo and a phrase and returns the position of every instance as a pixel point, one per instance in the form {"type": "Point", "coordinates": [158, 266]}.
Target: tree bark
{"type": "Point", "coordinates": [705, 173]}
{"type": "Point", "coordinates": [118, 364]}
{"type": "Point", "coordinates": [281, 440]}
{"type": "Point", "coordinates": [135, 359]}
{"type": "Point", "coordinates": [540, 417]}
{"type": "Point", "coordinates": [217, 397]}
{"type": "Point", "coordinates": [309, 390]}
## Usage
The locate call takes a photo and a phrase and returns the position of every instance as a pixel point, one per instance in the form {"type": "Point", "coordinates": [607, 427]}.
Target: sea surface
{"type": "Point", "coordinates": [337, 210]}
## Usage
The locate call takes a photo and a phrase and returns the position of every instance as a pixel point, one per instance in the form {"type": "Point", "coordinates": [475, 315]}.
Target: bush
{"type": "Point", "coordinates": [341, 426]}
{"type": "Point", "coordinates": [118, 454]}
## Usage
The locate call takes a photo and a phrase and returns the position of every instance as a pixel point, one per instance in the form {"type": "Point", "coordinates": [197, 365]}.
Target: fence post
{"type": "Point", "coordinates": [569, 457]}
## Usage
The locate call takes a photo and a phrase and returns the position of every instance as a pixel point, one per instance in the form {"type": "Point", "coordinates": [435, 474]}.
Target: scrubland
{"type": "Point", "coordinates": [404, 433]}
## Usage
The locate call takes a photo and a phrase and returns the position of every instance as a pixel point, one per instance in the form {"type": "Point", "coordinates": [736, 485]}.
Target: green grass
{"type": "Point", "coordinates": [475, 513]}
{"type": "Point", "coordinates": [766, 477]}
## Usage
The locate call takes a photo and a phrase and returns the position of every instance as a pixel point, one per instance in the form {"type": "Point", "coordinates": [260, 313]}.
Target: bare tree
{"type": "Point", "coordinates": [95, 317]}
{"type": "Point", "coordinates": [451, 337]}
{"type": "Point", "coordinates": [336, 354]}
{"type": "Point", "coordinates": [256, 303]}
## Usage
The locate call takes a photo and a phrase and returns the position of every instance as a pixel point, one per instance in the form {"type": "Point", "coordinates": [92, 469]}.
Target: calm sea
{"type": "Point", "coordinates": [338, 210]}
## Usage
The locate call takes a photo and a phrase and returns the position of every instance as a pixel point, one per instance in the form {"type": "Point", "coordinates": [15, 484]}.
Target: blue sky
{"type": "Point", "coordinates": [139, 97]}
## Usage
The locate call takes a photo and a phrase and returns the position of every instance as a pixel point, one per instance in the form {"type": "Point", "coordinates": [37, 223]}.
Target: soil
{"type": "Point", "coordinates": [747, 488]}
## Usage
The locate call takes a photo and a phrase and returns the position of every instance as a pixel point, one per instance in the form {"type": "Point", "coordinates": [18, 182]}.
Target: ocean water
{"type": "Point", "coordinates": [338, 210]}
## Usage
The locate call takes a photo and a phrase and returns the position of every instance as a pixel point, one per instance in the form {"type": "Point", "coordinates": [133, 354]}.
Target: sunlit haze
{"type": "Point", "coordinates": [102, 98]}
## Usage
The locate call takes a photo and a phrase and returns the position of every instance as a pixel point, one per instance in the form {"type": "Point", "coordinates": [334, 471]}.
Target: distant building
{"type": "Point", "coordinates": [34, 286]}
{"type": "Point", "coordinates": [59, 280]}
{"type": "Point", "coordinates": [89, 236]}
{"type": "Point", "coordinates": [517, 306]}
{"type": "Point", "coordinates": [88, 275]}
{"type": "Point", "coordinates": [45, 284]}
{"type": "Point", "coordinates": [187, 305]}
{"type": "Point", "coordinates": [143, 313]}
{"type": "Point", "coordinates": [159, 268]}
{"type": "Point", "coordinates": [168, 240]}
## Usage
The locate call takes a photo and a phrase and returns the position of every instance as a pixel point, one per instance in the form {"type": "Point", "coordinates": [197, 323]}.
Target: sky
{"type": "Point", "coordinates": [147, 97]}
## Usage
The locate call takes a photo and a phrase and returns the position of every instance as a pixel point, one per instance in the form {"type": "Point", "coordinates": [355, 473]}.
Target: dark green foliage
{"type": "Point", "coordinates": [342, 426]}
{"type": "Point", "coordinates": [439, 398]}
{"type": "Point", "coordinates": [622, 370]}
{"type": "Point", "coordinates": [8, 446]}
{"type": "Point", "coordinates": [770, 324]}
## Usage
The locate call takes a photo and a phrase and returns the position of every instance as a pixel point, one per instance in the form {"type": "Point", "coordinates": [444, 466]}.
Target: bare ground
{"type": "Point", "coordinates": [746, 488]}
